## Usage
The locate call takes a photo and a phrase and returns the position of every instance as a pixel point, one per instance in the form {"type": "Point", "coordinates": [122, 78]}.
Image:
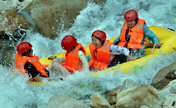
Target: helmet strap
{"type": "Point", "coordinates": [137, 19]}
{"type": "Point", "coordinates": [102, 42]}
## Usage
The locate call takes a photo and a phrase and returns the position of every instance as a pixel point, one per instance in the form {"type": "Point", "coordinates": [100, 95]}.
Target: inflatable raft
{"type": "Point", "coordinates": [166, 37]}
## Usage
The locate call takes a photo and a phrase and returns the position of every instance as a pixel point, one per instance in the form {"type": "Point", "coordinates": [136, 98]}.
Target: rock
{"type": "Point", "coordinates": [128, 84]}
{"type": "Point", "coordinates": [168, 90]}
{"type": "Point", "coordinates": [53, 16]}
{"type": "Point", "coordinates": [164, 76]}
{"type": "Point", "coordinates": [0, 44]}
{"type": "Point", "coordinates": [97, 101]}
{"type": "Point", "coordinates": [170, 101]}
{"type": "Point", "coordinates": [138, 96]}
{"type": "Point", "coordinates": [112, 95]}
{"type": "Point", "coordinates": [7, 53]}
{"type": "Point", "coordinates": [97, 1]}
{"type": "Point", "coordinates": [12, 24]}
{"type": "Point", "coordinates": [50, 16]}
{"type": "Point", "coordinates": [61, 101]}
{"type": "Point", "coordinates": [171, 87]}
{"type": "Point", "coordinates": [16, 5]}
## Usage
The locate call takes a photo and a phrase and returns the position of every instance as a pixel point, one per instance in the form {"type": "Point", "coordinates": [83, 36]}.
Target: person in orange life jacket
{"type": "Point", "coordinates": [133, 34]}
{"type": "Point", "coordinates": [103, 52]}
{"type": "Point", "coordinates": [29, 64]}
{"type": "Point", "coordinates": [74, 60]}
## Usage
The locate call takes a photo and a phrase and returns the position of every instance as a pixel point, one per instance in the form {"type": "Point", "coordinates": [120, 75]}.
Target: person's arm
{"type": "Point", "coordinates": [31, 70]}
{"type": "Point", "coordinates": [33, 73]}
{"type": "Point", "coordinates": [84, 61]}
{"type": "Point", "coordinates": [117, 50]}
{"type": "Point", "coordinates": [151, 36]}
{"type": "Point", "coordinates": [60, 60]}
{"type": "Point", "coordinates": [117, 40]}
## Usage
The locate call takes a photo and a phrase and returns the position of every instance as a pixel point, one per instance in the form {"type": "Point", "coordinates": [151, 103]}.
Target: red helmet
{"type": "Point", "coordinates": [68, 42]}
{"type": "Point", "coordinates": [130, 15]}
{"type": "Point", "coordinates": [99, 34]}
{"type": "Point", "coordinates": [23, 47]}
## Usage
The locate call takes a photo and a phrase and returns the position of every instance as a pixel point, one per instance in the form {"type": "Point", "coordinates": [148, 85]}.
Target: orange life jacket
{"type": "Point", "coordinates": [21, 60]}
{"type": "Point", "coordinates": [101, 57]}
{"type": "Point", "coordinates": [136, 35]}
{"type": "Point", "coordinates": [72, 60]}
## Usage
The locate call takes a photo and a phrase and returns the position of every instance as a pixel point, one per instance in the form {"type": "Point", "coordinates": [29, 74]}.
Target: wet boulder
{"type": "Point", "coordinates": [16, 5]}
{"type": "Point", "coordinates": [112, 95]}
{"type": "Point", "coordinates": [0, 44]}
{"type": "Point", "coordinates": [7, 53]}
{"type": "Point", "coordinates": [169, 101]}
{"type": "Point", "coordinates": [97, 101]}
{"type": "Point", "coordinates": [168, 95]}
{"type": "Point", "coordinates": [61, 101]}
{"type": "Point", "coordinates": [135, 97]}
{"type": "Point", "coordinates": [164, 76]}
{"type": "Point", "coordinates": [12, 24]}
{"type": "Point", "coordinates": [53, 16]}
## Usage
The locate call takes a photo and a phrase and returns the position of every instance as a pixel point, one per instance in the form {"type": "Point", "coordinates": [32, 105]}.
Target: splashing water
{"type": "Point", "coordinates": [15, 93]}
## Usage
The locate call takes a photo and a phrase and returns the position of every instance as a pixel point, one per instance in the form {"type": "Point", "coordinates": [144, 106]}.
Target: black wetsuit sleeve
{"type": "Point", "coordinates": [31, 70]}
